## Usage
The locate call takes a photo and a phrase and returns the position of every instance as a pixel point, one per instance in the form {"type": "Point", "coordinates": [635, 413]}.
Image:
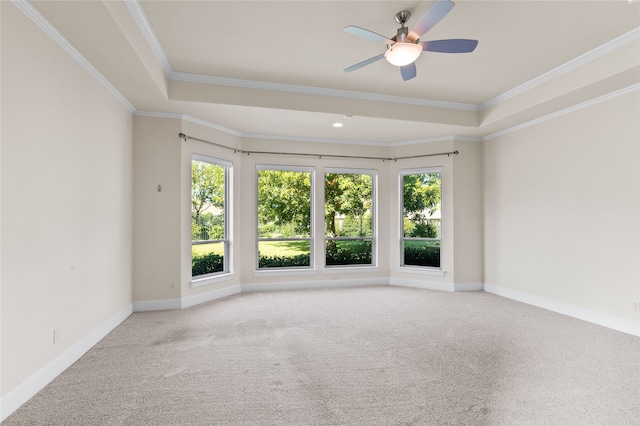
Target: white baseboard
{"type": "Point", "coordinates": [301, 285]}
{"type": "Point", "coordinates": [436, 285]}
{"type": "Point", "coordinates": [423, 284]}
{"type": "Point", "coordinates": [468, 286]}
{"type": "Point", "coordinates": [619, 324]}
{"type": "Point", "coordinates": [210, 295]}
{"type": "Point", "coordinates": [18, 396]}
{"type": "Point", "coordinates": [157, 305]}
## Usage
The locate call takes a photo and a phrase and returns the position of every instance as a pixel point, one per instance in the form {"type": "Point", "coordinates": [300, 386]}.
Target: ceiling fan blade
{"type": "Point", "coordinates": [454, 45]}
{"type": "Point", "coordinates": [430, 18]}
{"type": "Point", "coordinates": [408, 71]}
{"type": "Point", "coordinates": [369, 35]}
{"type": "Point", "coordinates": [364, 63]}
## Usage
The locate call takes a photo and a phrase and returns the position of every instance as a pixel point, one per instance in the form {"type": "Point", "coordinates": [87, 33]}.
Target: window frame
{"type": "Point", "coordinates": [226, 240]}
{"type": "Point", "coordinates": [401, 174]}
{"type": "Point", "coordinates": [374, 217]}
{"type": "Point", "coordinates": [293, 269]}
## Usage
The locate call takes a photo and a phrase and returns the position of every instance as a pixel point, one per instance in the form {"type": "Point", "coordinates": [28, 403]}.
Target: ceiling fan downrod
{"type": "Point", "coordinates": [402, 17]}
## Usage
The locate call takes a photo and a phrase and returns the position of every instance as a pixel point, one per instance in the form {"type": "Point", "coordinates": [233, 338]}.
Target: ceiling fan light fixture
{"type": "Point", "coordinates": [401, 54]}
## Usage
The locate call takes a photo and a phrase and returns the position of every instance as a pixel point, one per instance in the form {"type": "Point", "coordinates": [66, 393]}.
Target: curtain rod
{"type": "Point", "coordinates": [360, 157]}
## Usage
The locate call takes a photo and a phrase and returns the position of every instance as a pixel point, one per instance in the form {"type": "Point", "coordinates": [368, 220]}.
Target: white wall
{"type": "Point", "coordinates": [66, 204]}
{"type": "Point", "coordinates": [562, 213]}
{"type": "Point", "coordinates": [468, 215]}
{"type": "Point", "coordinates": [156, 256]}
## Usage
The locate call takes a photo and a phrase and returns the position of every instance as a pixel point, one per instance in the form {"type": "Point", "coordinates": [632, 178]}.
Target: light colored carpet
{"type": "Point", "coordinates": [358, 356]}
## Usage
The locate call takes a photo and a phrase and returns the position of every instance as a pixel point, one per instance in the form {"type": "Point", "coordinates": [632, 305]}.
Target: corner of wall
{"type": "Point", "coordinates": [468, 214]}
{"type": "Point", "coordinates": [157, 189]}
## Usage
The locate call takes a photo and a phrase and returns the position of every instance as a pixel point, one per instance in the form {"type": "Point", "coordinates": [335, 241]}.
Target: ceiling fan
{"type": "Point", "coordinates": [405, 47]}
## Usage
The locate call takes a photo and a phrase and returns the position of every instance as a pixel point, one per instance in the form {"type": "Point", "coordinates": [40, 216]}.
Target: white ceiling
{"type": "Point", "coordinates": [275, 68]}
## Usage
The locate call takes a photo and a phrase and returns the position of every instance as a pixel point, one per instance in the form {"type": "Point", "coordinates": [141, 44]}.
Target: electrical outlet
{"type": "Point", "coordinates": [56, 335]}
{"type": "Point", "coordinates": [636, 306]}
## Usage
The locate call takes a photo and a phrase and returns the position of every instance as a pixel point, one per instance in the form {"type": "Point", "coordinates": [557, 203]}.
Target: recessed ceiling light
{"type": "Point", "coordinates": [337, 124]}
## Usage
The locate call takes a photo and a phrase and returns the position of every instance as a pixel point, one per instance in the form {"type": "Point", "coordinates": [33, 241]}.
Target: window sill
{"type": "Point", "coordinates": [201, 282]}
{"type": "Point", "coordinates": [423, 271]}
{"type": "Point", "coordinates": [350, 269]}
{"type": "Point", "coordinates": [281, 272]}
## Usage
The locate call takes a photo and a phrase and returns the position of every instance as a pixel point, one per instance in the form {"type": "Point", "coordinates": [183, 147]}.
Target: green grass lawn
{"type": "Point", "coordinates": [420, 244]}
{"type": "Point", "coordinates": [267, 248]}
{"type": "Point", "coordinates": [288, 248]}
{"type": "Point", "coordinates": [283, 248]}
{"type": "Point", "coordinates": [202, 249]}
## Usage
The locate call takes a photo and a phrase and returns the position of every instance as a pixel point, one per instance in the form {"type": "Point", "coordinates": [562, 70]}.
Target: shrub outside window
{"type": "Point", "coordinates": [349, 219]}
{"type": "Point", "coordinates": [421, 228]}
{"type": "Point", "coordinates": [285, 206]}
{"type": "Point", "coordinates": [209, 213]}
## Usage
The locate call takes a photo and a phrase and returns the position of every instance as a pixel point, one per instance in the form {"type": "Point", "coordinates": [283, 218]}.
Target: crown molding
{"type": "Point", "coordinates": [561, 112]}
{"type": "Point", "coordinates": [211, 125]}
{"type": "Point", "coordinates": [177, 116]}
{"type": "Point", "coordinates": [312, 140]}
{"type": "Point", "coordinates": [571, 65]}
{"type": "Point", "coordinates": [317, 91]}
{"type": "Point", "coordinates": [35, 16]}
{"type": "Point", "coordinates": [135, 8]}
{"type": "Point", "coordinates": [438, 139]}
{"type": "Point", "coordinates": [159, 114]}
{"type": "Point", "coordinates": [488, 137]}
{"type": "Point", "coordinates": [467, 138]}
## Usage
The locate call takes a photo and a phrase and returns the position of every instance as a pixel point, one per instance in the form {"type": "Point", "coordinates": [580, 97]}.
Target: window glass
{"type": "Point", "coordinates": [209, 243]}
{"type": "Point", "coordinates": [421, 229]}
{"type": "Point", "coordinates": [349, 221]}
{"type": "Point", "coordinates": [284, 217]}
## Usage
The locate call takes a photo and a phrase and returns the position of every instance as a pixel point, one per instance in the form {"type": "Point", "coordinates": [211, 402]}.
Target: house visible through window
{"type": "Point", "coordinates": [421, 228]}
{"type": "Point", "coordinates": [349, 218]}
{"type": "Point", "coordinates": [284, 217]}
{"type": "Point", "coordinates": [209, 224]}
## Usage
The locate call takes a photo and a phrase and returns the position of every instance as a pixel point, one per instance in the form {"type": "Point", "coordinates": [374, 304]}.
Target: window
{"type": "Point", "coordinates": [284, 217]}
{"type": "Point", "coordinates": [209, 213]}
{"type": "Point", "coordinates": [349, 220]}
{"type": "Point", "coordinates": [421, 230]}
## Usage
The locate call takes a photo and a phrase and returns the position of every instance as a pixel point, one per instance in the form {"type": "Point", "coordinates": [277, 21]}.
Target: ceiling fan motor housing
{"type": "Point", "coordinates": [402, 17]}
